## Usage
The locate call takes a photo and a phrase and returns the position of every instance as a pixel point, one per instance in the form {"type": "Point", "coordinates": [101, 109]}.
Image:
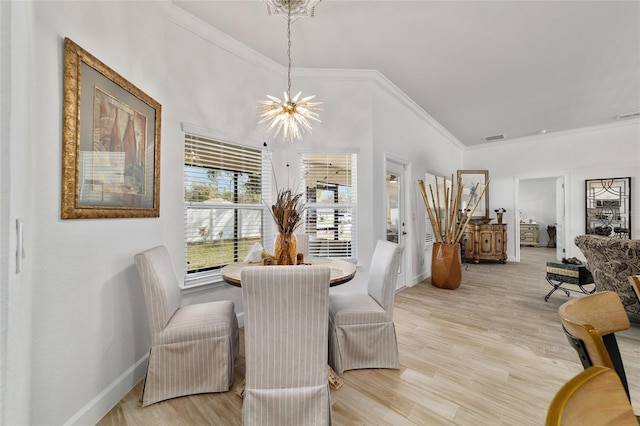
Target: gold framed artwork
{"type": "Point", "coordinates": [472, 195]}
{"type": "Point", "coordinates": [111, 142]}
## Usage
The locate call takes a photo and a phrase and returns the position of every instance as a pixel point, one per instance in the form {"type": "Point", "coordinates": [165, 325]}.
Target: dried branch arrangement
{"type": "Point", "coordinates": [447, 229]}
{"type": "Point", "coordinates": [288, 211]}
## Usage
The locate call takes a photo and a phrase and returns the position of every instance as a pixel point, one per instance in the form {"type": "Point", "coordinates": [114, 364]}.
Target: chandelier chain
{"type": "Point", "coordinates": [289, 49]}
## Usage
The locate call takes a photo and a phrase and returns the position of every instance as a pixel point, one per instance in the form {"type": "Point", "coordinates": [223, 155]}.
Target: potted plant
{"type": "Point", "coordinates": [446, 261]}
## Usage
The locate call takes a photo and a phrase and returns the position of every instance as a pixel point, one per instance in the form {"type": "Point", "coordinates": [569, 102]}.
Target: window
{"type": "Point", "coordinates": [331, 198]}
{"type": "Point", "coordinates": [429, 234]}
{"type": "Point", "coordinates": [224, 185]}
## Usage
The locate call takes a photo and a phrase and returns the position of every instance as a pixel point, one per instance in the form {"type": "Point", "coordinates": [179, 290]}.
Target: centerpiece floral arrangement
{"type": "Point", "coordinates": [287, 213]}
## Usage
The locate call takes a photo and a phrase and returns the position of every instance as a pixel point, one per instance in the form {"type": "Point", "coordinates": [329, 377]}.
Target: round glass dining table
{"type": "Point", "coordinates": [341, 270]}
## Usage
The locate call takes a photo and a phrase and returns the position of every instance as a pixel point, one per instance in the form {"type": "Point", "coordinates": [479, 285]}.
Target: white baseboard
{"type": "Point", "coordinates": [96, 409]}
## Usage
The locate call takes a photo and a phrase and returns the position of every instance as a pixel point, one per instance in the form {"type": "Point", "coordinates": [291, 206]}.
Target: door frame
{"type": "Point", "coordinates": [407, 248]}
{"type": "Point", "coordinates": [566, 211]}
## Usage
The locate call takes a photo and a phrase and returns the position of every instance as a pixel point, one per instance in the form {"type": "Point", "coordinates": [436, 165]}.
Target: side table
{"type": "Point", "coordinates": [564, 273]}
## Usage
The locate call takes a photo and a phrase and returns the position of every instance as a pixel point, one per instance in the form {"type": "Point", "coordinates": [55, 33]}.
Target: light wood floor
{"type": "Point", "coordinates": [491, 352]}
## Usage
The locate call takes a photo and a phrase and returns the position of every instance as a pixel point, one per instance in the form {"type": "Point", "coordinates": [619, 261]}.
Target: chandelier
{"type": "Point", "coordinates": [291, 115]}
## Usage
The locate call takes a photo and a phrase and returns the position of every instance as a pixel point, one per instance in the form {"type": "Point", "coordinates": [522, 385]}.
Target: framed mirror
{"type": "Point", "coordinates": [472, 196]}
{"type": "Point", "coordinates": [608, 207]}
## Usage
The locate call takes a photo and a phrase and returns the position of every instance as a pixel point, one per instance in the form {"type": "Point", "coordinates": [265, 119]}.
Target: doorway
{"type": "Point", "coordinates": [395, 218]}
{"type": "Point", "coordinates": [541, 201]}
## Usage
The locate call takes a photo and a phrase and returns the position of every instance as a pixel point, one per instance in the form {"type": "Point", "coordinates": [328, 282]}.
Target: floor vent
{"type": "Point", "coordinates": [493, 138]}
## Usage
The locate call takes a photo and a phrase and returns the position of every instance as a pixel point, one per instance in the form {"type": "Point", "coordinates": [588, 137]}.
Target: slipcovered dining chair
{"type": "Point", "coordinates": [193, 347]}
{"type": "Point", "coordinates": [590, 323]}
{"type": "Point", "coordinates": [285, 322]}
{"type": "Point", "coordinates": [593, 397]}
{"type": "Point", "coordinates": [361, 329]}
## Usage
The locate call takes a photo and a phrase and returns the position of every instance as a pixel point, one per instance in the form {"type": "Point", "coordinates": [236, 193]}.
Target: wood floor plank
{"type": "Point", "coordinates": [491, 352]}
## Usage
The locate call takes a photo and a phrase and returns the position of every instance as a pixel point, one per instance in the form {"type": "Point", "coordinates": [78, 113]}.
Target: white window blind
{"type": "Point", "coordinates": [429, 235]}
{"type": "Point", "coordinates": [330, 185]}
{"type": "Point", "coordinates": [224, 185]}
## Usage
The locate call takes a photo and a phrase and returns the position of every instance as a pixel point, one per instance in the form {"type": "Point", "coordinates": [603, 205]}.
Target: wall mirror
{"type": "Point", "coordinates": [472, 195]}
{"type": "Point", "coordinates": [608, 209]}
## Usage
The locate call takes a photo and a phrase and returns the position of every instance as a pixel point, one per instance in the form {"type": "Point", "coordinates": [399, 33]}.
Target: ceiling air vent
{"type": "Point", "coordinates": [493, 138]}
{"type": "Point", "coordinates": [628, 115]}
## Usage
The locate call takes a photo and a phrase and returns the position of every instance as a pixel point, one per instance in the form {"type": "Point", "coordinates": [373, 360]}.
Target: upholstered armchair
{"type": "Point", "coordinates": [611, 262]}
{"type": "Point", "coordinates": [193, 347]}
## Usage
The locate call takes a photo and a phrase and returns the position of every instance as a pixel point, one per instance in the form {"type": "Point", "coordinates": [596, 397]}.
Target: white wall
{"type": "Point", "coordinates": [84, 318]}
{"type": "Point", "coordinates": [597, 152]}
{"type": "Point", "coordinates": [78, 334]}
{"type": "Point", "coordinates": [17, 172]}
{"type": "Point", "coordinates": [408, 134]}
{"type": "Point", "coordinates": [77, 314]}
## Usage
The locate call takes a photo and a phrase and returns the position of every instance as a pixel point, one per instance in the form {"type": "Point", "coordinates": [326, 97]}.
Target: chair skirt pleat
{"type": "Point", "coordinates": [363, 346]}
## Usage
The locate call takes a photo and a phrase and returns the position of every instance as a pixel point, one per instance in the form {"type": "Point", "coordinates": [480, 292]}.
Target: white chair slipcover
{"type": "Point", "coordinates": [361, 329]}
{"type": "Point", "coordinates": [286, 339]}
{"type": "Point", "coordinates": [193, 347]}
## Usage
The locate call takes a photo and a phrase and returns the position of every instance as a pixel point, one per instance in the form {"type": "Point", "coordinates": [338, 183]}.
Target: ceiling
{"type": "Point", "coordinates": [480, 68]}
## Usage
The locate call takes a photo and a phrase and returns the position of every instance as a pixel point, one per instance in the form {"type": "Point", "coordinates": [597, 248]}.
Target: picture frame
{"type": "Point", "coordinates": [471, 199]}
{"type": "Point", "coordinates": [111, 142]}
{"type": "Point", "coordinates": [608, 207]}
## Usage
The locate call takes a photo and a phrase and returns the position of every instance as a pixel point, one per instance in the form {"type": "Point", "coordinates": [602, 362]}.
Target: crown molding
{"type": "Point", "coordinates": [383, 83]}
{"type": "Point", "coordinates": [191, 23]}
{"type": "Point", "coordinates": [550, 135]}
{"type": "Point", "coordinates": [211, 34]}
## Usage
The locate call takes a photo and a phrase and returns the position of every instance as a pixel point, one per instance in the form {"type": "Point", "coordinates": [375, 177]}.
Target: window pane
{"type": "Point", "coordinates": [222, 184]}
{"type": "Point", "coordinates": [330, 184]}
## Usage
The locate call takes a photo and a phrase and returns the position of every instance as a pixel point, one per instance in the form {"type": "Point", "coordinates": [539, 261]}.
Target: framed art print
{"type": "Point", "coordinates": [111, 142]}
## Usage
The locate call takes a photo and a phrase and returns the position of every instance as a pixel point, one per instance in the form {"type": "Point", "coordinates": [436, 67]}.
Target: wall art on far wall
{"type": "Point", "coordinates": [474, 183]}
{"type": "Point", "coordinates": [111, 142]}
{"type": "Point", "coordinates": [608, 207]}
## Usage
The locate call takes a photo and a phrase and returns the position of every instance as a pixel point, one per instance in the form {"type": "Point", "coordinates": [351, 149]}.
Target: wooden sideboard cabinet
{"type": "Point", "coordinates": [528, 234]}
{"type": "Point", "coordinates": [485, 242]}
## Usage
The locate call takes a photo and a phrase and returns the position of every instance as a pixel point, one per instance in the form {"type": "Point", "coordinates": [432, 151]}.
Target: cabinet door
{"type": "Point", "coordinates": [498, 242]}
{"type": "Point", "coordinates": [486, 242]}
{"type": "Point", "coordinates": [469, 245]}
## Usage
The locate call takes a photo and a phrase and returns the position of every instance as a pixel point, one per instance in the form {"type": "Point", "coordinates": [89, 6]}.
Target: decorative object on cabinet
{"type": "Point", "coordinates": [486, 242]}
{"type": "Point", "coordinates": [474, 182]}
{"type": "Point", "coordinates": [448, 222]}
{"type": "Point", "coordinates": [529, 234]}
{"type": "Point", "coordinates": [499, 213]}
{"type": "Point", "coordinates": [111, 142]}
{"type": "Point", "coordinates": [608, 207]}
{"type": "Point", "coordinates": [551, 230]}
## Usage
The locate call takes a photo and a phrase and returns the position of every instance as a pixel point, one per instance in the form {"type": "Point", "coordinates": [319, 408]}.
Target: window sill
{"type": "Point", "coordinates": [201, 282]}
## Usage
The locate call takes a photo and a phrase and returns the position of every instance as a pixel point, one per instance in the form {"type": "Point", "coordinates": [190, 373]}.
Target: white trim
{"type": "Point", "coordinates": [219, 135]}
{"type": "Point", "coordinates": [524, 139]}
{"type": "Point", "coordinates": [191, 23]}
{"type": "Point", "coordinates": [96, 409]}
{"type": "Point", "coordinates": [324, 149]}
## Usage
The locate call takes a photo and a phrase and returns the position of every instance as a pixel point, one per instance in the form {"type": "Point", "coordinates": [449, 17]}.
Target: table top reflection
{"type": "Point", "coordinates": [341, 270]}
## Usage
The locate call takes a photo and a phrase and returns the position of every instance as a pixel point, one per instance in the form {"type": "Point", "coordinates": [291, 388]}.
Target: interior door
{"type": "Point", "coordinates": [560, 215]}
{"type": "Point", "coordinates": [395, 213]}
